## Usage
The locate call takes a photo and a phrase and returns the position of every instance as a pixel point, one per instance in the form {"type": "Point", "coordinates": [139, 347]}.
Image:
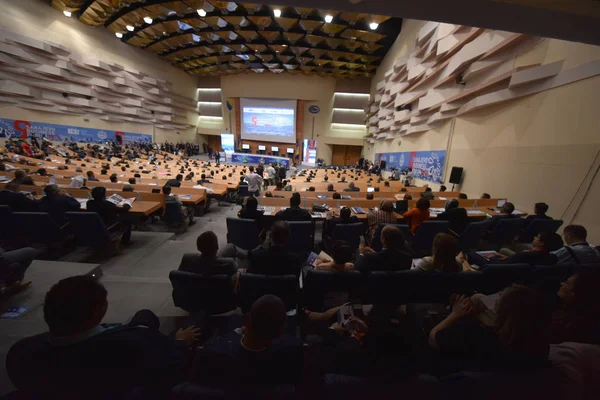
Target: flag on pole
{"type": "Point", "coordinates": [229, 105]}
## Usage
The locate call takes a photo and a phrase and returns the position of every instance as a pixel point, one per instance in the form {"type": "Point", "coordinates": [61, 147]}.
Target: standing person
{"type": "Point", "coordinates": [254, 182]}
{"type": "Point", "coordinates": [281, 173]}
{"type": "Point", "coordinates": [218, 158]}
{"type": "Point", "coordinates": [271, 174]}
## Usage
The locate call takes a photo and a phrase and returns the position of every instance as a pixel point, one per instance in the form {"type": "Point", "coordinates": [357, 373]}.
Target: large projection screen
{"type": "Point", "coordinates": [269, 120]}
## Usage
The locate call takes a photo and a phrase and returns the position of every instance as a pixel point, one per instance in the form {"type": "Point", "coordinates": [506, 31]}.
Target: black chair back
{"type": "Point", "coordinates": [469, 239]}
{"type": "Point", "coordinates": [7, 227]}
{"type": "Point", "coordinates": [244, 233]}
{"type": "Point", "coordinates": [538, 226]}
{"type": "Point", "coordinates": [302, 237]}
{"type": "Point", "coordinates": [505, 231]}
{"type": "Point", "coordinates": [195, 292]}
{"type": "Point", "coordinates": [350, 233]}
{"type": "Point", "coordinates": [376, 239]}
{"type": "Point", "coordinates": [318, 283]}
{"type": "Point", "coordinates": [499, 276]}
{"type": "Point", "coordinates": [89, 229]}
{"type": "Point", "coordinates": [254, 286]}
{"type": "Point", "coordinates": [426, 232]}
{"type": "Point", "coordinates": [39, 227]}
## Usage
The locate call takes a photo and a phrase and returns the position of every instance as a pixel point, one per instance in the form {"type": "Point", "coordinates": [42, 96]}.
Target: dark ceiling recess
{"type": "Point", "coordinates": [216, 38]}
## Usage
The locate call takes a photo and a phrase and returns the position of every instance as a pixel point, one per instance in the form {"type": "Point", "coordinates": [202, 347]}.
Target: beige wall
{"type": "Point", "coordinates": [539, 148]}
{"type": "Point", "coordinates": [38, 20]}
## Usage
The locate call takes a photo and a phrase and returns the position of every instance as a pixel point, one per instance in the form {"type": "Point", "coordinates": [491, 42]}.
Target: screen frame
{"type": "Point", "coordinates": [290, 150]}
{"type": "Point", "coordinates": [245, 146]}
{"type": "Point", "coordinates": [274, 148]}
{"type": "Point", "coordinates": [269, 103]}
{"type": "Point", "coordinates": [262, 148]}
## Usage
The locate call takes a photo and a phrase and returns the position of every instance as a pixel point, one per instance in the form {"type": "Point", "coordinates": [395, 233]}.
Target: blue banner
{"type": "Point", "coordinates": [426, 165]}
{"type": "Point", "coordinates": [255, 159]}
{"type": "Point", "coordinates": [10, 128]}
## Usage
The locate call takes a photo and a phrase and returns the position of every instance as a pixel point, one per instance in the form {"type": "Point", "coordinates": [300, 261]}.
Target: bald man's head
{"type": "Point", "coordinates": [267, 318]}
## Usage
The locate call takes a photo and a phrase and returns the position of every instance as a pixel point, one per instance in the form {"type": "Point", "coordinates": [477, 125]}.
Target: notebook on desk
{"type": "Point", "coordinates": [357, 210]}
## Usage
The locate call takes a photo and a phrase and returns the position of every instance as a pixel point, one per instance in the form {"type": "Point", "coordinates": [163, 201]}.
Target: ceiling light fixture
{"type": "Point", "coordinates": [148, 20]}
{"type": "Point", "coordinates": [201, 12]}
{"type": "Point", "coordinates": [119, 35]}
{"type": "Point", "coordinates": [130, 28]}
{"type": "Point", "coordinates": [67, 13]}
{"type": "Point", "coordinates": [328, 18]}
{"type": "Point", "coordinates": [373, 25]}
{"type": "Point", "coordinates": [277, 13]}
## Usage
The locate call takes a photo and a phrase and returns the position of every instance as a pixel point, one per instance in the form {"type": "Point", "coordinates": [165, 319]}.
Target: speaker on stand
{"type": "Point", "coordinates": [456, 176]}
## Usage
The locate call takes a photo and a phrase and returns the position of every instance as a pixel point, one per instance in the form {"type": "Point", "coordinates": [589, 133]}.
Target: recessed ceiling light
{"type": "Point", "coordinates": [328, 18]}
{"type": "Point", "coordinates": [277, 13]}
{"type": "Point", "coordinates": [201, 12]}
{"type": "Point", "coordinates": [148, 20]}
{"type": "Point", "coordinates": [119, 35]}
{"type": "Point", "coordinates": [130, 28]}
{"type": "Point", "coordinates": [67, 13]}
{"type": "Point", "coordinates": [373, 25]}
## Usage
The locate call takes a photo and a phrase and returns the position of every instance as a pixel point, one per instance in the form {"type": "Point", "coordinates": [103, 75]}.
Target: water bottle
{"type": "Point", "coordinates": [475, 204]}
{"type": "Point", "coordinates": [304, 202]}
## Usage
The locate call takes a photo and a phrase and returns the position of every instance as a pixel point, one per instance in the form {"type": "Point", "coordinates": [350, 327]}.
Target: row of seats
{"type": "Point", "coordinates": [214, 294]}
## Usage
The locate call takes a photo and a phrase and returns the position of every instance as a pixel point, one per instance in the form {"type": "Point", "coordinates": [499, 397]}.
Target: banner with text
{"type": "Point", "coordinates": [258, 159]}
{"type": "Point", "coordinates": [426, 165]}
{"type": "Point", "coordinates": [10, 128]}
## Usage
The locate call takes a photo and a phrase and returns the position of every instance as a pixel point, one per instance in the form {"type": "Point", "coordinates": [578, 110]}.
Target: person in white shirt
{"type": "Point", "coordinates": [254, 181]}
{"type": "Point", "coordinates": [271, 173]}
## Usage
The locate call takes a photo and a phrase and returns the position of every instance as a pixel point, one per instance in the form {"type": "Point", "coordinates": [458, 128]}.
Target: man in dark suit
{"type": "Point", "coordinates": [57, 203]}
{"type": "Point", "coordinates": [207, 263]}
{"type": "Point", "coordinates": [275, 260]}
{"type": "Point", "coordinates": [108, 211]}
{"type": "Point", "coordinates": [351, 188]}
{"type": "Point", "coordinates": [175, 182]}
{"type": "Point", "coordinates": [82, 358]}
{"type": "Point", "coordinates": [21, 178]}
{"type": "Point", "coordinates": [18, 202]}
{"type": "Point", "coordinates": [541, 254]}
{"type": "Point", "coordinates": [392, 257]}
{"type": "Point", "coordinates": [294, 212]}
{"type": "Point", "coordinates": [456, 216]}
{"type": "Point", "coordinates": [540, 211]}
{"type": "Point", "coordinates": [506, 211]}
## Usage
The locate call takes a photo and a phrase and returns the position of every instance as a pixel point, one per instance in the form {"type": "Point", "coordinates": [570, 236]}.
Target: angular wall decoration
{"type": "Point", "coordinates": [44, 76]}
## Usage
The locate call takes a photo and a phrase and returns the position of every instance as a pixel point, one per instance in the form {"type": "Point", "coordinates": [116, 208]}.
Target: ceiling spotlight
{"type": "Point", "coordinates": [119, 35]}
{"type": "Point", "coordinates": [148, 20]}
{"type": "Point", "coordinates": [201, 12]}
{"type": "Point", "coordinates": [67, 13]}
{"type": "Point", "coordinates": [130, 28]}
{"type": "Point", "coordinates": [373, 25]}
{"type": "Point", "coordinates": [328, 18]}
{"type": "Point", "coordinates": [277, 13]}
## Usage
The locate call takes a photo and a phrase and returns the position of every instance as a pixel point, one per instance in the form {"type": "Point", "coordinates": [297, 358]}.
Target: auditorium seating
{"type": "Point", "coordinates": [423, 239]}
{"type": "Point", "coordinates": [350, 233]}
{"type": "Point", "coordinates": [38, 227]}
{"type": "Point", "coordinates": [505, 232]}
{"type": "Point", "coordinates": [253, 286]}
{"type": "Point", "coordinates": [537, 226]}
{"type": "Point", "coordinates": [244, 233]}
{"type": "Point", "coordinates": [302, 237]}
{"type": "Point", "coordinates": [90, 230]}
{"type": "Point", "coordinates": [469, 238]}
{"type": "Point", "coordinates": [376, 239]}
{"type": "Point", "coordinates": [7, 228]}
{"type": "Point", "coordinates": [195, 293]}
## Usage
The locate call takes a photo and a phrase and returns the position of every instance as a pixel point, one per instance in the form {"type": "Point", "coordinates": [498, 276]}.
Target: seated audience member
{"type": "Point", "coordinates": [128, 188]}
{"type": "Point", "coordinates": [351, 187]}
{"type": "Point", "coordinates": [455, 215]}
{"type": "Point", "coordinates": [336, 196]}
{"type": "Point", "coordinates": [21, 178]}
{"type": "Point", "coordinates": [175, 182]}
{"type": "Point", "coordinates": [42, 172]}
{"type": "Point", "coordinates": [132, 181]}
{"type": "Point", "coordinates": [78, 182]}
{"type": "Point", "coordinates": [268, 194]}
{"type": "Point", "coordinates": [103, 171]}
{"type": "Point", "coordinates": [311, 189]}
{"type": "Point", "coordinates": [108, 212]}
{"type": "Point", "coordinates": [506, 211]}
{"type": "Point", "coordinates": [345, 217]}
{"type": "Point", "coordinates": [577, 249]}
{"type": "Point", "coordinates": [91, 177]}
{"type": "Point", "coordinates": [407, 197]}
{"type": "Point", "coordinates": [132, 358]}
{"type": "Point", "coordinates": [114, 178]}
{"type": "Point", "coordinates": [443, 188]}
{"type": "Point", "coordinates": [443, 255]}
{"type": "Point", "coordinates": [262, 355]}
{"type": "Point", "coordinates": [341, 252]}
{"type": "Point", "coordinates": [330, 188]}
{"type": "Point", "coordinates": [279, 187]}
{"type": "Point", "coordinates": [203, 179]}
{"type": "Point", "coordinates": [385, 215]}
{"type": "Point", "coordinates": [540, 210]}
{"type": "Point", "coordinates": [370, 196]}
{"type": "Point", "coordinates": [418, 215]}
{"type": "Point", "coordinates": [57, 203]}
{"type": "Point", "coordinates": [427, 194]}
{"type": "Point", "coordinates": [540, 254]}
{"type": "Point", "coordinates": [207, 263]}
{"type": "Point", "coordinates": [577, 318]}
{"type": "Point", "coordinates": [462, 196]}
{"type": "Point", "coordinates": [294, 212]}
{"type": "Point", "coordinates": [185, 212]}
{"type": "Point", "coordinates": [13, 265]}
{"type": "Point", "coordinates": [392, 256]}
{"type": "Point", "coordinates": [485, 196]}
{"type": "Point", "coordinates": [17, 201]}
{"type": "Point", "coordinates": [275, 260]}
{"type": "Point", "coordinates": [517, 338]}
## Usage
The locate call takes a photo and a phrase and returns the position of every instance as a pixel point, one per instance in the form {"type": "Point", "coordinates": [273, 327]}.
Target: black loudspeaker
{"type": "Point", "coordinates": [456, 175]}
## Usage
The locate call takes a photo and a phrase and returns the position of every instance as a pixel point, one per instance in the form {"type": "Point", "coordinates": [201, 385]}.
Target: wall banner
{"type": "Point", "coordinates": [255, 159]}
{"type": "Point", "coordinates": [22, 129]}
{"type": "Point", "coordinates": [426, 165]}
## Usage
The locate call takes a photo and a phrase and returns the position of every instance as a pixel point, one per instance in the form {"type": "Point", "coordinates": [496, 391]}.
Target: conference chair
{"type": "Point", "coordinates": [426, 232]}
{"type": "Point", "coordinates": [199, 293]}
{"type": "Point", "coordinates": [505, 232]}
{"type": "Point", "coordinates": [469, 238]}
{"type": "Point", "coordinates": [499, 276]}
{"type": "Point", "coordinates": [376, 240]}
{"type": "Point", "coordinates": [302, 237]}
{"type": "Point", "coordinates": [243, 191]}
{"type": "Point", "coordinates": [244, 233]}
{"type": "Point", "coordinates": [321, 287]}
{"type": "Point", "coordinates": [172, 216]}
{"type": "Point", "coordinates": [90, 230]}
{"type": "Point", "coordinates": [7, 227]}
{"type": "Point", "coordinates": [350, 233]}
{"type": "Point", "coordinates": [538, 226]}
{"type": "Point", "coordinates": [254, 286]}
{"type": "Point", "coordinates": [39, 227]}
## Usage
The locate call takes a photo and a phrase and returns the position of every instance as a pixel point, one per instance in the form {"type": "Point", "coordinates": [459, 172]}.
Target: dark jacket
{"type": "Point", "coordinates": [491, 223]}
{"type": "Point", "coordinates": [105, 209]}
{"type": "Point", "coordinates": [457, 217]}
{"type": "Point", "coordinates": [530, 218]}
{"type": "Point", "coordinates": [525, 257]}
{"type": "Point", "coordinates": [275, 260]}
{"type": "Point", "coordinates": [333, 222]}
{"type": "Point", "coordinates": [18, 202]}
{"type": "Point", "coordinates": [57, 206]}
{"type": "Point", "coordinates": [294, 214]}
{"type": "Point", "coordinates": [198, 264]}
{"type": "Point", "coordinates": [173, 183]}
{"type": "Point", "coordinates": [385, 260]}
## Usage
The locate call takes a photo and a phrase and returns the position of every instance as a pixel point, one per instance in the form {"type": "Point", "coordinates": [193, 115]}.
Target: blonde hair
{"type": "Point", "coordinates": [444, 251]}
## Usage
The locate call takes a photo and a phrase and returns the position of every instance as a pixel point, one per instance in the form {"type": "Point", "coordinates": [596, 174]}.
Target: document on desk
{"type": "Point", "coordinates": [415, 262]}
{"type": "Point", "coordinates": [184, 196]}
{"type": "Point", "coordinates": [82, 202]}
{"type": "Point", "coordinates": [267, 210]}
{"type": "Point", "coordinates": [475, 212]}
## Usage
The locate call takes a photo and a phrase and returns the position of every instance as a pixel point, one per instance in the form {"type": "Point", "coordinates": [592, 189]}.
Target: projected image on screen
{"type": "Point", "coordinates": [269, 121]}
